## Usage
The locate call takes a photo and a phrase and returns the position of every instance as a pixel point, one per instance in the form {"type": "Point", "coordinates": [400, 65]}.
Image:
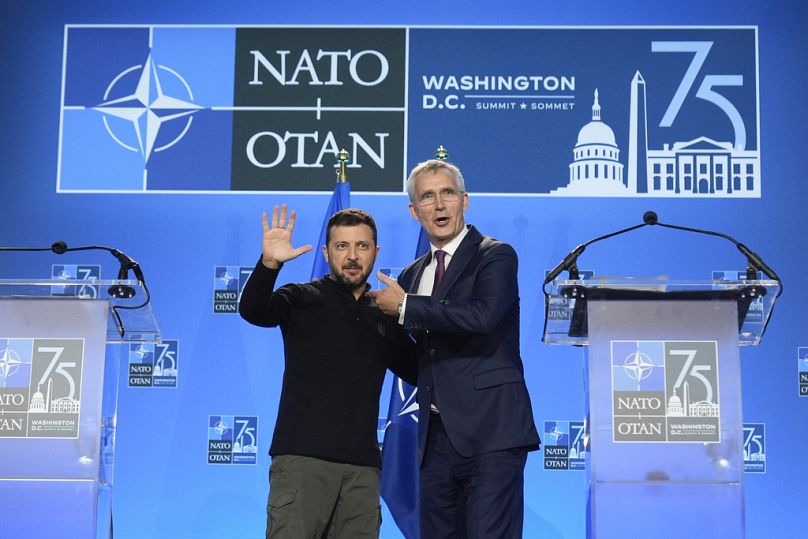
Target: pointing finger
{"type": "Point", "coordinates": [385, 279]}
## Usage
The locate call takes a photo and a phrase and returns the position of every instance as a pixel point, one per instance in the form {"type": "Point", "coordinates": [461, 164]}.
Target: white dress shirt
{"type": "Point", "coordinates": [428, 276]}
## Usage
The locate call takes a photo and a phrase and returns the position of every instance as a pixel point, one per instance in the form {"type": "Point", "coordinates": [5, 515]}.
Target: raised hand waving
{"type": "Point", "coordinates": [276, 247]}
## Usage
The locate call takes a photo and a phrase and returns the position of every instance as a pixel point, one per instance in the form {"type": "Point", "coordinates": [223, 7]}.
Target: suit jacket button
{"type": "Point", "coordinates": [431, 351]}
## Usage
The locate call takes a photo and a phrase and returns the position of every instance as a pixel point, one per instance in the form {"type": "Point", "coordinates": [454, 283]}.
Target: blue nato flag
{"type": "Point", "coordinates": [340, 200]}
{"type": "Point", "coordinates": [400, 447]}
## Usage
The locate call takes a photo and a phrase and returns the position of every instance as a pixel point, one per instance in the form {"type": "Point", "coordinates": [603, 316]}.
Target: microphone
{"type": "Point", "coordinates": [119, 291]}
{"type": "Point", "coordinates": [126, 263]}
{"type": "Point", "coordinates": [567, 264]}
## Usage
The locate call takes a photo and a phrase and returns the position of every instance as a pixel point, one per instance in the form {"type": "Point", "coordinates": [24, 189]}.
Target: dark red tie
{"type": "Point", "coordinates": [440, 269]}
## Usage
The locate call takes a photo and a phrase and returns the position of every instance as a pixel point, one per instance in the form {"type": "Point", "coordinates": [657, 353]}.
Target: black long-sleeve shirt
{"type": "Point", "coordinates": [337, 349]}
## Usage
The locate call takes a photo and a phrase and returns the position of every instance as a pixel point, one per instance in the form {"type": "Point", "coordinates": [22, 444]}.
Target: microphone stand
{"type": "Point", "coordinates": [118, 291]}
{"type": "Point", "coordinates": [570, 262]}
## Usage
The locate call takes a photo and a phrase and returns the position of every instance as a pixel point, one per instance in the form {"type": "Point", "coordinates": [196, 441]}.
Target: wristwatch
{"type": "Point", "coordinates": [401, 304]}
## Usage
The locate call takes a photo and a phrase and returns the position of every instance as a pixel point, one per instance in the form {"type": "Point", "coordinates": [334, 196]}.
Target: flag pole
{"type": "Point", "coordinates": [340, 199]}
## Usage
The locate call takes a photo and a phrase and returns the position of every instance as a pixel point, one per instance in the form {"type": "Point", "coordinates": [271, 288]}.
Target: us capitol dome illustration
{"type": "Point", "coordinates": [596, 169]}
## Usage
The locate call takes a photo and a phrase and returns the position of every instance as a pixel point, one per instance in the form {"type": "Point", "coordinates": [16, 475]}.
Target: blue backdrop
{"type": "Point", "coordinates": [164, 484]}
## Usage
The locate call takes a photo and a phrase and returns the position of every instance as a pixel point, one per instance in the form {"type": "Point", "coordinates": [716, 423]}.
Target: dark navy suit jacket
{"type": "Point", "coordinates": [468, 334]}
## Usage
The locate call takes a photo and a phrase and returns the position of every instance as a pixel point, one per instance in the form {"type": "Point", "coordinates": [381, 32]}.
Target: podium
{"type": "Point", "coordinates": [61, 346]}
{"type": "Point", "coordinates": [664, 425]}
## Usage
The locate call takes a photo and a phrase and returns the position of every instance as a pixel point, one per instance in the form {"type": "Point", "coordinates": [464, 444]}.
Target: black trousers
{"type": "Point", "coordinates": [476, 497]}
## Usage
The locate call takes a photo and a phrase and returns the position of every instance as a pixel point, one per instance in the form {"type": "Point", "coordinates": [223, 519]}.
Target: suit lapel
{"type": "Point", "coordinates": [463, 255]}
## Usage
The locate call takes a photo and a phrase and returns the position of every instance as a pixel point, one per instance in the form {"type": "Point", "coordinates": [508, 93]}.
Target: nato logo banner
{"type": "Point", "coordinates": [610, 112]}
{"type": "Point", "coordinates": [802, 369]}
{"type": "Point", "coordinates": [40, 387]}
{"type": "Point", "coordinates": [211, 109]}
{"type": "Point", "coordinates": [663, 112]}
{"type": "Point", "coordinates": [228, 282]}
{"type": "Point", "coordinates": [154, 364]}
{"type": "Point", "coordinates": [754, 447]}
{"type": "Point", "coordinates": [76, 272]}
{"type": "Point", "coordinates": [232, 439]}
{"type": "Point", "coordinates": [665, 391]}
{"type": "Point", "coordinates": [564, 447]}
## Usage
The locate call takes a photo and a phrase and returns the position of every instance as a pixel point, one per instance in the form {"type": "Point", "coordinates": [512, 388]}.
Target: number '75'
{"type": "Point", "coordinates": [705, 91]}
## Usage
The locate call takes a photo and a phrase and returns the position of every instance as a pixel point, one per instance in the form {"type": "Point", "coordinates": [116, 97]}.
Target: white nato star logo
{"type": "Point", "coordinates": [148, 108]}
{"type": "Point", "coordinates": [9, 364]}
{"type": "Point", "coordinates": [221, 427]}
{"type": "Point", "coordinates": [638, 366]}
{"type": "Point", "coordinates": [226, 278]}
{"type": "Point", "coordinates": [142, 351]}
{"type": "Point", "coordinates": [556, 433]}
{"type": "Point", "coordinates": [409, 406]}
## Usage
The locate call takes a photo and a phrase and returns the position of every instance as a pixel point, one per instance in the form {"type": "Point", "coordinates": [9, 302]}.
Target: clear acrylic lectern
{"type": "Point", "coordinates": [663, 399]}
{"type": "Point", "coordinates": [61, 345]}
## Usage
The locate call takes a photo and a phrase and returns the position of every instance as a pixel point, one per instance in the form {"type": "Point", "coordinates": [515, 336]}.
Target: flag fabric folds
{"type": "Point", "coordinates": [400, 447]}
{"type": "Point", "coordinates": [340, 200]}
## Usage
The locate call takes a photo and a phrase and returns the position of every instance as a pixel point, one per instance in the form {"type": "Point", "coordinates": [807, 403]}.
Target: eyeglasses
{"type": "Point", "coordinates": [446, 195]}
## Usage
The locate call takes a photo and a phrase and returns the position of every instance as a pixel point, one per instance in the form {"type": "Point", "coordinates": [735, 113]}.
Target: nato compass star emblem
{"type": "Point", "coordinates": [9, 364]}
{"type": "Point", "coordinates": [409, 403]}
{"type": "Point", "coordinates": [148, 109]}
{"type": "Point", "coordinates": [638, 366]}
{"type": "Point", "coordinates": [556, 433]}
{"type": "Point", "coordinates": [142, 352]}
{"type": "Point", "coordinates": [226, 278]}
{"type": "Point", "coordinates": [221, 427]}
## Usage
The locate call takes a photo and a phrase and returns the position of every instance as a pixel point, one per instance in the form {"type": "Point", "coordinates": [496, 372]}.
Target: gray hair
{"type": "Point", "coordinates": [434, 166]}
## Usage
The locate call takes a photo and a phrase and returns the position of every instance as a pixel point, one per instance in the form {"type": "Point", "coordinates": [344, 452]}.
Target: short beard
{"type": "Point", "coordinates": [340, 278]}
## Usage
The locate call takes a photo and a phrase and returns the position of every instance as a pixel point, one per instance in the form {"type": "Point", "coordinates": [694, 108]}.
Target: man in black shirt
{"type": "Point", "coordinates": [324, 476]}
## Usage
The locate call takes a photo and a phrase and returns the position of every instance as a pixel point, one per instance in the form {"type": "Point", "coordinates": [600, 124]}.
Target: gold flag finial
{"type": "Point", "coordinates": [441, 154]}
{"type": "Point", "coordinates": [342, 157]}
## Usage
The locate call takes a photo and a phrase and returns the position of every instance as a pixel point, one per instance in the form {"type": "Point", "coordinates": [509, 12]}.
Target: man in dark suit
{"type": "Point", "coordinates": [461, 302]}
